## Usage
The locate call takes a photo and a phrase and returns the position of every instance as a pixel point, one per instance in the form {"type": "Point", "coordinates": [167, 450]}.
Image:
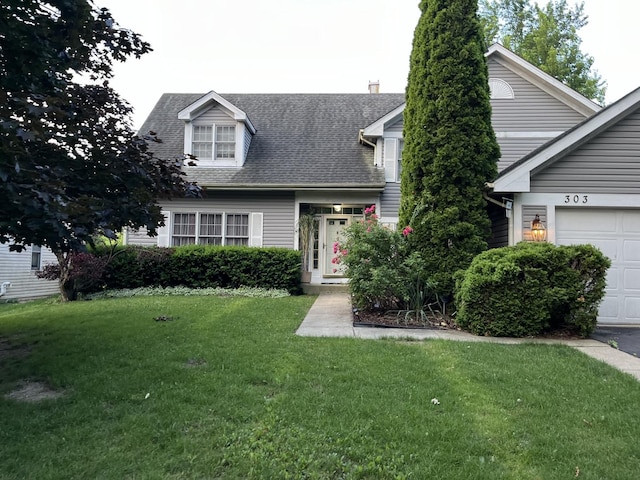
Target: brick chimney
{"type": "Point", "coordinates": [374, 87]}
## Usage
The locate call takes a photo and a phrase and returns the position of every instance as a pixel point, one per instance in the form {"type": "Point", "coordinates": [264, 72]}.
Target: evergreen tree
{"type": "Point", "coordinates": [450, 148]}
{"type": "Point", "coordinates": [546, 36]}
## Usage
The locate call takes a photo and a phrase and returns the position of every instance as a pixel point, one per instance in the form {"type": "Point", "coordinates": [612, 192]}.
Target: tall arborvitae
{"type": "Point", "coordinates": [450, 148]}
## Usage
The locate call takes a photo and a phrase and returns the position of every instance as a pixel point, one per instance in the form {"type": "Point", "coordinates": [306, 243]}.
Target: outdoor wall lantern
{"type": "Point", "coordinates": [337, 207]}
{"type": "Point", "coordinates": [538, 232]}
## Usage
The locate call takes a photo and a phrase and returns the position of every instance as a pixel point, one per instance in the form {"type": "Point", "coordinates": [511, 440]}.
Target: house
{"type": "Point", "coordinates": [266, 159]}
{"type": "Point", "coordinates": [18, 273]}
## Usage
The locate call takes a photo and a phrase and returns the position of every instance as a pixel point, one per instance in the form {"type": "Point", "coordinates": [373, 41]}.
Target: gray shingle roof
{"type": "Point", "coordinates": [302, 140]}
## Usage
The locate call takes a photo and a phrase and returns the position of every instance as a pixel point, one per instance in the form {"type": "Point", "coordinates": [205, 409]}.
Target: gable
{"type": "Point", "coordinates": [604, 144]}
{"type": "Point", "coordinates": [529, 119]}
{"type": "Point", "coordinates": [608, 163]}
{"type": "Point", "coordinates": [529, 108]}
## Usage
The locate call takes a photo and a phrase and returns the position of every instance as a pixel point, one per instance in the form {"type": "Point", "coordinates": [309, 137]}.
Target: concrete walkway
{"type": "Point", "coordinates": [330, 316]}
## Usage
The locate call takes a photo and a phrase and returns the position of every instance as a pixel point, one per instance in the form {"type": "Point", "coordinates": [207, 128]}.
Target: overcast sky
{"type": "Point", "coordinates": [311, 46]}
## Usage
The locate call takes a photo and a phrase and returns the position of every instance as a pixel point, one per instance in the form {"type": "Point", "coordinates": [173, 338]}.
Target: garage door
{"type": "Point", "coordinates": [616, 232]}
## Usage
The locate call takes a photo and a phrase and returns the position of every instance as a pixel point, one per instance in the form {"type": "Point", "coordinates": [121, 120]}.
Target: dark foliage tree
{"type": "Point", "coordinates": [546, 36]}
{"type": "Point", "coordinates": [70, 164]}
{"type": "Point", "coordinates": [450, 148]}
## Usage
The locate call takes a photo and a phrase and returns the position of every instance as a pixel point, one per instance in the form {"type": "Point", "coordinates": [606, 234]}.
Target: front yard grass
{"type": "Point", "coordinates": [212, 387]}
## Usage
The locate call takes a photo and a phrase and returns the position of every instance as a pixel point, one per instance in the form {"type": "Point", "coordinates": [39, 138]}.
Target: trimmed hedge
{"type": "Point", "coordinates": [531, 288]}
{"type": "Point", "coordinates": [200, 266]}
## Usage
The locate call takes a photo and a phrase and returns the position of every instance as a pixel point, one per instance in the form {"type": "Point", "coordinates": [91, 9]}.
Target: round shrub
{"type": "Point", "coordinates": [531, 288]}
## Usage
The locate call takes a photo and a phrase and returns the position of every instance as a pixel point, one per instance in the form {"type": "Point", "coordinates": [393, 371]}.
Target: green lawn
{"type": "Point", "coordinates": [224, 389]}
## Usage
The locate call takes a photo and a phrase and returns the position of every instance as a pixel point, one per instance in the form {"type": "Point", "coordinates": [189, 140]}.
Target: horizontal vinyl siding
{"type": "Point", "coordinates": [140, 237]}
{"type": "Point", "coordinates": [390, 200]}
{"type": "Point", "coordinates": [513, 149]}
{"type": "Point", "coordinates": [529, 212]}
{"type": "Point", "coordinates": [532, 109]}
{"type": "Point", "coordinates": [213, 115]}
{"type": "Point", "coordinates": [609, 163]}
{"type": "Point", "coordinates": [499, 226]}
{"type": "Point", "coordinates": [395, 127]}
{"type": "Point", "coordinates": [278, 209]}
{"type": "Point", "coordinates": [16, 268]}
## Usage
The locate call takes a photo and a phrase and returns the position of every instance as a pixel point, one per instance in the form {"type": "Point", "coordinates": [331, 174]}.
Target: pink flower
{"type": "Point", "coordinates": [370, 210]}
{"type": "Point", "coordinates": [344, 252]}
{"type": "Point", "coordinates": [335, 270]}
{"type": "Point", "coordinates": [335, 247]}
{"type": "Point", "coordinates": [407, 230]}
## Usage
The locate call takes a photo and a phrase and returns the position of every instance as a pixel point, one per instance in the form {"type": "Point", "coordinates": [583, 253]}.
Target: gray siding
{"type": "Point", "coordinates": [213, 115]}
{"type": "Point", "coordinates": [499, 226]}
{"type": "Point", "coordinates": [247, 142]}
{"type": "Point", "coordinates": [532, 109]}
{"type": "Point", "coordinates": [395, 127]}
{"type": "Point", "coordinates": [140, 237]}
{"type": "Point", "coordinates": [278, 209]}
{"type": "Point", "coordinates": [528, 214]}
{"type": "Point", "coordinates": [513, 149]}
{"type": "Point", "coordinates": [16, 268]}
{"type": "Point", "coordinates": [390, 200]}
{"type": "Point", "coordinates": [609, 163]}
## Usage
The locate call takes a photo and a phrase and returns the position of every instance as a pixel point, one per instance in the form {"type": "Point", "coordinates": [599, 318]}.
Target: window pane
{"type": "Point", "coordinates": [237, 231]}
{"type": "Point", "coordinates": [226, 142]}
{"type": "Point", "coordinates": [210, 224]}
{"type": "Point", "coordinates": [226, 134]}
{"type": "Point", "coordinates": [202, 150]}
{"type": "Point", "coordinates": [36, 257]}
{"type": "Point", "coordinates": [202, 146]}
{"type": "Point", "coordinates": [184, 229]}
{"type": "Point", "coordinates": [202, 134]}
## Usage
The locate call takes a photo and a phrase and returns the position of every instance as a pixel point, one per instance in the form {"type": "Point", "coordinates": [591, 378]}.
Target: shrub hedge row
{"type": "Point", "coordinates": [530, 288]}
{"type": "Point", "coordinates": [199, 266]}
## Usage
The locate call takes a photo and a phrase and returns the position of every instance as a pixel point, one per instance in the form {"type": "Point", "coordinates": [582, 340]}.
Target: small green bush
{"type": "Point", "coordinates": [531, 288]}
{"type": "Point", "coordinates": [199, 266]}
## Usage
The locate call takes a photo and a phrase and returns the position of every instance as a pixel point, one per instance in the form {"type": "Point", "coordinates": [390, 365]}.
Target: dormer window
{"type": "Point", "coordinates": [207, 146]}
{"type": "Point", "coordinates": [225, 142]}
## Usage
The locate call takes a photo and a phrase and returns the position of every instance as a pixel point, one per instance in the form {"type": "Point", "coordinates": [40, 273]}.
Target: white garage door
{"type": "Point", "coordinates": [616, 232]}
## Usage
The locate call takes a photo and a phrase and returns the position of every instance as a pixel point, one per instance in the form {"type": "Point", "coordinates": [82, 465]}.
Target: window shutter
{"type": "Point", "coordinates": [164, 232]}
{"type": "Point", "coordinates": [390, 159]}
{"type": "Point", "coordinates": [255, 229]}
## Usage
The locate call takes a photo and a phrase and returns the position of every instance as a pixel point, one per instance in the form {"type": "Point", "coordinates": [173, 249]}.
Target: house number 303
{"type": "Point", "coordinates": [576, 198]}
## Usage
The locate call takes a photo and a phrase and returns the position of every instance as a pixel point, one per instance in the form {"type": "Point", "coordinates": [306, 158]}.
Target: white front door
{"type": "Point", "coordinates": [333, 232]}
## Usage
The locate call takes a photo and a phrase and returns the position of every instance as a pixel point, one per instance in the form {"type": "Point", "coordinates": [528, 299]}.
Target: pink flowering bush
{"type": "Point", "coordinates": [383, 271]}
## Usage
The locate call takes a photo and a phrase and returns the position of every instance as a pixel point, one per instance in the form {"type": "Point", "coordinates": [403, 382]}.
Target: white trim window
{"type": "Point", "coordinates": [210, 229]}
{"type": "Point", "coordinates": [214, 142]}
{"type": "Point", "coordinates": [202, 142]}
{"type": "Point", "coordinates": [36, 257]}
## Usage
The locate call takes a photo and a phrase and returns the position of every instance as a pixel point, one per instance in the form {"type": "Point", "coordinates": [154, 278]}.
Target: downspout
{"type": "Point", "coordinates": [361, 139]}
{"type": "Point", "coordinates": [507, 204]}
{"type": "Point", "coordinates": [485, 195]}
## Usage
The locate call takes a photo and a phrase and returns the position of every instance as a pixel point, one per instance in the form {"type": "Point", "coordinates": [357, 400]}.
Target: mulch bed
{"type": "Point", "coordinates": [437, 321]}
{"type": "Point", "coordinates": [395, 319]}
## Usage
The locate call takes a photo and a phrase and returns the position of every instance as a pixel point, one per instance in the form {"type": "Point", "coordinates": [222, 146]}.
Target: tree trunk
{"type": "Point", "coordinates": [67, 284]}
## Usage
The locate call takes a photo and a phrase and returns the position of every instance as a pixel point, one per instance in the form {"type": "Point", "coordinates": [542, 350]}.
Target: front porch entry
{"type": "Point", "coordinates": [331, 221]}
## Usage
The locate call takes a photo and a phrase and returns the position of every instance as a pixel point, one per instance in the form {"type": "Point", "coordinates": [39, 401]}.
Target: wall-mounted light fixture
{"type": "Point", "coordinates": [538, 231]}
{"type": "Point", "coordinates": [337, 207]}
